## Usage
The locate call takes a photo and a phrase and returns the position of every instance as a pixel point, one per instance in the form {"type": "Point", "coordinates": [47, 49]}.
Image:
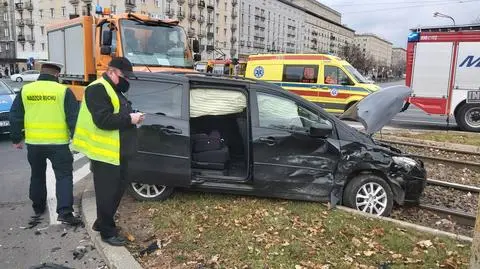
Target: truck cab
{"type": "Point", "coordinates": [85, 45]}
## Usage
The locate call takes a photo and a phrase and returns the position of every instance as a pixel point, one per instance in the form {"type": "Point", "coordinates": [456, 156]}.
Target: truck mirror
{"type": "Point", "coordinates": [197, 57]}
{"type": "Point", "coordinates": [196, 46]}
{"type": "Point", "coordinates": [107, 38]}
{"type": "Point", "coordinates": [105, 50]}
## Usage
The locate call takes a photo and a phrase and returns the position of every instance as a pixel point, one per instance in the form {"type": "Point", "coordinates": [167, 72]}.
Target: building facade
{"type": "Point", "coordinates": [379, 48]}
{"type": "Point", "coordinates": [399, 56]}
{"type": "Point", "coordinates": [281, 26]}
{"type": "Point", "coordinates": [7, 35]}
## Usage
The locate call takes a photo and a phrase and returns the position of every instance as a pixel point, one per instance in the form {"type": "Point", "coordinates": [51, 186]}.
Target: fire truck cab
{"type": "Point", "coordinates": [443, 70]}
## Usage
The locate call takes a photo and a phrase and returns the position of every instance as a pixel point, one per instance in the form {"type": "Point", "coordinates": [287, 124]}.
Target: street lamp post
{"type": "Point", "coordinates": [438, 14]}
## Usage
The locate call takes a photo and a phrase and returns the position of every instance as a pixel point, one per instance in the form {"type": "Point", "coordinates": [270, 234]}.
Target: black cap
{"type": "Point", "coordinates": [123, 64]}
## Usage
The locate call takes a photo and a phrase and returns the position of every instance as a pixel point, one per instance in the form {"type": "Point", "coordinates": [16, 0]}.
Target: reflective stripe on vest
{"type": "Point", "coordinates": [97, 144]}
{"type": "Point", "coordinates": [45, 120]}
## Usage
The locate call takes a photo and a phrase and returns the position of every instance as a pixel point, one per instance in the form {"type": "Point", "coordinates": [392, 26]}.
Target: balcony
{"type": "Point", "coordinates": [28, 5]}
{"type": "Point", "coordinates": [210, 35]}
{"type": "Point", "coordinates": [209, 21]}
{"type": "Point", "coordinates": [19, 7]}
{"type": "Point", "coordinates": [242, 43]}
{"type": "Point", "coordinates": [29, 22]}
{"type": "Point", "coordinates": [314, 40]}
{"type": "Point", "coordinates": [20, 23]}
{"type": "Point", "coordinates": [234, 13]}
{"type": "Point", "coordinates": [129, 4]}
{"type": "Point", "coordinates": [233, 27]}
{"type": "Point", "coordinates": [180, 15]}
{"type": "Point", "coordinates": [249, 44]}
{"type": "Point", "coordinates": [201, 34]}
{"type": "Point", "coordinates": [234, 2]}
{"type": "Point", "coordinates": [181, 2]}
{"type": "Point", "coordinates": [30, 39]}
{"type": "Point", "coordinates": [90, 1]}
{"type": "Point", "coordinates": [233, 39]}
{"type": "Point", "coordinates": [258, 45]}
{"type": "Point", "coordinates": [210, 47]}
{"type": "Point", "coordinates": [191, 3]}
{"type": "Point", "coordinates": [210, 6]}
{"type": "Point", "coordinates": [314, 33]}
{"type": "Point", "coordinates": [192, 17]}
{"type": "Point", "coordinates": [21, 38]}
{"type": "Point", "coordinates": [74, 2]}
{"type": "Point", "coordinates": [201, 19]}
{"type": "Point", "coordinates": [191, 32]}
{"type": "Point", "coordinates": [201, 4]}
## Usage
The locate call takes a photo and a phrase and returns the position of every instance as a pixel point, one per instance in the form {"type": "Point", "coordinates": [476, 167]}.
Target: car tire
{"type": "Point", "coordinates": [358, 191]}
{"type": "Point", "coordinates": [149, 192]}
{"type": "Point", "coordinates": [19, 79]}
{"type": "Point", "coordinates": [468, 117]}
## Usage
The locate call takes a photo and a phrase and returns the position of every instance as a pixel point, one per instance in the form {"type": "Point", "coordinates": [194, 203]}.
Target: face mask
{"type": "Point", "coordinates": [123, 85]}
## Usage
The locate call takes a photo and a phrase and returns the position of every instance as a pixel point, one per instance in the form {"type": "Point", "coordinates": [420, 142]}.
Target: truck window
{"type": "Point", "coordinates": [300, 73]}
{"type": "Point", "coordinates": [335, 75]}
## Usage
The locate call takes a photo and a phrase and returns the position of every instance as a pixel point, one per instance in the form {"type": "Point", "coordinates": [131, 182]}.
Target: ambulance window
{"type": "Point", "coordinates": [300, 73]}
{"type": "Point", "coordinates": [335, 75]}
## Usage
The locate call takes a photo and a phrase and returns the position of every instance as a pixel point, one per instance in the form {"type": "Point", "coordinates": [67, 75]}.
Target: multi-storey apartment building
{"type": "Point", "coordinates": [399, 56]}
{"type": "Point", "coordinates": [379, 48]}
{"type": "Point", "coordinates": [7, 35]}
{"type": "Point", "coordinates": [281, 26]}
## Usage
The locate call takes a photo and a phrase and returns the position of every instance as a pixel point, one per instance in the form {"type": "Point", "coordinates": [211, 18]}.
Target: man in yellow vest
{"type": "Point", "coordinates": [47, 110]}
{"type": "Point", "coordinates": [106, 133]}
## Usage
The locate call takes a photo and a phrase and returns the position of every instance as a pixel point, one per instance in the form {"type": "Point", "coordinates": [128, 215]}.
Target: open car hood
{"type": "Point", "coordinates": [378, 108]}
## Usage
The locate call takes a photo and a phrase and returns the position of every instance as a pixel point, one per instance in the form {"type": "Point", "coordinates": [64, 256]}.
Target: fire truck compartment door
{"type": "Point", "coordinates": [431, 69]}
{"type": "Point", "coordinates": [468, 66]}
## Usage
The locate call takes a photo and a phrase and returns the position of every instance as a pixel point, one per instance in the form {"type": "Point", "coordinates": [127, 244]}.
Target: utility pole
{"type": "Point", "coordinates": [475, 252]}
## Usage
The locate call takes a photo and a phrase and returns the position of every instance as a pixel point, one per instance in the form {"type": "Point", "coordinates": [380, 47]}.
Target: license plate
{"type": "Point", "coordinates": [4, 123]}
{"type": "Point", "coordinates": [473, 97]}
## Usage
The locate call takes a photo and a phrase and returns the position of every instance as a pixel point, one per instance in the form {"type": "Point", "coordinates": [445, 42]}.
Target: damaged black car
{"type": "Point", "coordinates": [240, 136]}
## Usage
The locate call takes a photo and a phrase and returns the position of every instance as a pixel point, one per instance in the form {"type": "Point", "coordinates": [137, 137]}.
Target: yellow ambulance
{"type": "Point", "coordinates": [324, 79]}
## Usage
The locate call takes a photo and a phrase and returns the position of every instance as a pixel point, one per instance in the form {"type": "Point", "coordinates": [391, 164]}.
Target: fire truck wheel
{"type": "Point", "coordinates": [468, 117]}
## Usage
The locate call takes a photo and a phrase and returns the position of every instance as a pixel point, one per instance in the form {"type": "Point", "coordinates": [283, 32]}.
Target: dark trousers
{"type": "Point", "coordinates": [110, 182]}
{"type": "Point", "coordinates": [62, 163]}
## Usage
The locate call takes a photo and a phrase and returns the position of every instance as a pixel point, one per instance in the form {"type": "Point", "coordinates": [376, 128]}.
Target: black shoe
{"type": "Point", "coordinates": [117, 241]}
{"type": "Point", "coordinates": [38, 212]}
{"type": "Point", "coordinates": [69, 219]}
{"type": "Point", "coordinates": [96, 228]}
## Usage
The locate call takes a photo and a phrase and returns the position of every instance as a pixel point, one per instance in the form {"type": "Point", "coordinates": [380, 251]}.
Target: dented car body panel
{"type": "Point", "coordinates": [284, 163]}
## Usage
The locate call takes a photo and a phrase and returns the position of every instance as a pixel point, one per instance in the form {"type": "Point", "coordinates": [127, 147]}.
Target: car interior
{"type": "Point", "coordinates": [219, 133]}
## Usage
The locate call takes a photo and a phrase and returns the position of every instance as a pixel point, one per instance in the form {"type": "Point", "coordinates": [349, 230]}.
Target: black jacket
{"type": "Point", "coordinates": [17, 112]}
{"type": "Point", "coordinates": [100, 106]}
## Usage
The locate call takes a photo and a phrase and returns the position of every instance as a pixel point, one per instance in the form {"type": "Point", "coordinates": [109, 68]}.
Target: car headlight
{"type": "Point", "coordinates": [405, 162]}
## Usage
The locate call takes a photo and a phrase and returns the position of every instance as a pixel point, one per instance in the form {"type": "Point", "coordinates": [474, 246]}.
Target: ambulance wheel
{"type": "Point", "coordinates": [468, 117]}
{"type": "Point", "coordinates": [149, 192]}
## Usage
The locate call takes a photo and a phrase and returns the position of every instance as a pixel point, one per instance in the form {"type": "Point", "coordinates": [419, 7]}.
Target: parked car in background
{"type": "Point", "coordinates": [235, 135]}
{"type": "Point", "coordinates": [30, 75]}
{"type": "Point", "coordinates": [7, 95]}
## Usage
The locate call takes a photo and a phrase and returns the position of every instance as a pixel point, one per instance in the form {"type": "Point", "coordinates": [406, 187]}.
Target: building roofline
{"type": "Point", "coordinates": [398, 48]}
{"type": "Point", "coordinates": [315, 14]}
{"type": "Point", "coordinates": [443, 28]}
{"type": "Point", "coordinates": [376, 36]}
{"type": "Point", "coordinates": [325, 7]}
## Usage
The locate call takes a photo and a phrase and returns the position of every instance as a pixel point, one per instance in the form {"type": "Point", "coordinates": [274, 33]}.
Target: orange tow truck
{"type": "Point", "coordinates": [86, 44]}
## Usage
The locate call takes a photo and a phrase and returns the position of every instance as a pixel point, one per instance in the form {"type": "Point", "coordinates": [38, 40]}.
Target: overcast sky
{"type": "Point", "coordinates": [392, 19]}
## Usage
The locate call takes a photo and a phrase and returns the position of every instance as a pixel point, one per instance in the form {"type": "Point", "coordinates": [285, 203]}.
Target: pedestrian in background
{"type": "Point", "coordinates": [47, 110]}
{"type": "Point", "coordinates": [106, 133]}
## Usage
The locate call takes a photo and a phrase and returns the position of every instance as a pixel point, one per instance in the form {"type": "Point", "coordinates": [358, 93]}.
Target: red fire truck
{"type": "Point", "coordinates": [443, 70]}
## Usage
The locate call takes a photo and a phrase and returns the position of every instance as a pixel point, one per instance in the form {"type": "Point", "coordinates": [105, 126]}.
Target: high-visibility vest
{"type": "Point", "coordinates": [97, 144]}
{"type": "Point", "coordinates": [45, 120]}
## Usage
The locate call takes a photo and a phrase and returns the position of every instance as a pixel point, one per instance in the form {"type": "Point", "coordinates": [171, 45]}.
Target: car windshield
{"type": "Point", "coordinates": [155, 45]}
{"type": "Point", "coordinates": [4, 90]}
{"type": "Point", "coordinates": [356, 74]}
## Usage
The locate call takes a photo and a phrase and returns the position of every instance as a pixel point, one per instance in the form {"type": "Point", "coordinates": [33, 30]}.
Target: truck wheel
{"type": "Point", "coordinates": [468, 117]}
{"type": "Point", "coordinates": [370, 194]}
{"type": "Point", "coordinates": [148, 192]}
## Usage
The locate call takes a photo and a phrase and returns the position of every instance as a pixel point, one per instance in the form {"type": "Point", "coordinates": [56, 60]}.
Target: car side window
{"type": "Point", "coordinates": [283, 113]}
{"type": "Point", "coordinates": [335, 75]}
{"type": "Point", "coordinates": [300, 73]}
{"type": "Point", "coordinates": [155, 97]}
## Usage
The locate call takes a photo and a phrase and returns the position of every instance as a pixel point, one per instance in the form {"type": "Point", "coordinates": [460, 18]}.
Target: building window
{"type": "Point", "coordinates": [7, 46]}
{"type": "Point", "coordinates": [225, 19]}
{"type": "Point", "coordinates": [225, 5]}
{"type": "Point", "coordinates": [0, 47]}
{"type": "Point", "coordinates": [157, 3]}
{"type": "Point", "coordinates": [6, 32]}
{"type": "Point", "coordinates": [42, 29]}
{"type": "Point", "coordinates": [23, 47]}
{"type": "Point", "coordinates": [41, 13]}
{"type": "Point", "coordinates": [43, 46]}
{"type": "Point", "coordinates": [51, 12]}
{"type": "Point", "coordinates": [217, 31]}
{"type": "Point", "coordinates": [114, 9]}
{"type": "Point", "coordinates": [33, 47]}
{"type": "Point", "coordinates": [63, 11]}
{"type": "Point", "coordinates": [5, 16]}
{"type": "Point", "coordinates": [225, 32]}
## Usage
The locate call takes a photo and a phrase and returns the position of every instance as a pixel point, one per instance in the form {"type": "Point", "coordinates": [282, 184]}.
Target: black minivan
{"type": "Point", "coordinates": [241, 136]}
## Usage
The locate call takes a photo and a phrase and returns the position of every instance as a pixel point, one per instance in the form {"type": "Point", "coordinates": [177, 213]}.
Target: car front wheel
{"type": "Point", "coordinates": [19, 79]}
{"type": "Point", "coordinates": [370, 194]}
{"type": "Point", "coordinates": [149, 192]}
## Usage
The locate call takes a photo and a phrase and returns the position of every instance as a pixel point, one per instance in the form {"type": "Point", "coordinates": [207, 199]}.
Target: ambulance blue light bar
{"type": "Point", "coordinates": [413, 37]}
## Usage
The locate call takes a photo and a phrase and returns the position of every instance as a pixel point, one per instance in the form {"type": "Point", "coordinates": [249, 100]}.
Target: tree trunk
{"type": "Point", "coordinates": [475, 255]}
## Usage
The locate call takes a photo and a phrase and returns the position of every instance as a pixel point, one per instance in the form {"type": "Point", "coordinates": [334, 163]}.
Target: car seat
{"type": "Point", "coordinates": [209, 151]}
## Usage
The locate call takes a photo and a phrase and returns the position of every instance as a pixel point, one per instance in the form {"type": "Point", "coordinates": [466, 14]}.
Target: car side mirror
{"type": "Point", "coordinates": [106, 50]}
{"type": "Point", "coordinates": [197, 57]}
{"type": "Point", "coordinates": [196, 46]}
{"type": "Point", "coordinates": [321, 130]}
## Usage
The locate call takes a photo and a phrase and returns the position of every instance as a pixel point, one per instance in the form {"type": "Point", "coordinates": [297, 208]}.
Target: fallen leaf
{"type": "Point", "coordinates": [298, 267]}
{"type": "Point", "coordinates": [397, 256]}
{"type": "Point", "coordinates": [348, 259]}
{"type": "Point", "coordinates": [368, 253]}
{"type": "Point", "coordinates": [130, 237]}
{"type": "Point", "coordinates": [356, 242]}
{"type": "Point", "coordinates": [425, 244]}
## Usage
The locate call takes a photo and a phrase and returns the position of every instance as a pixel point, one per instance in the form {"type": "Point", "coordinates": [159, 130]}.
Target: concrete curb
{"type": "Point", "coordinates": [409, 225]}
{"type": "Point", "coordinates": [115, 257]}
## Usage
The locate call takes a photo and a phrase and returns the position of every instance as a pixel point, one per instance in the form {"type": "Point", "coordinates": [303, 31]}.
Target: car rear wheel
{"type": "Point", "coordinates": [370, 194]}
{"type": "Point", "coordinates": [149, 192]}
{"type": "Point", "coordinates": [468, 117]}
{"type": "Point", "coordinates": [19, 79]}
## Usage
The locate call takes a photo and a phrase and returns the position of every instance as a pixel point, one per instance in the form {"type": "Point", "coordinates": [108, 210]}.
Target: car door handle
{"type": "Point", "coordinates": [268, 140]}
{"type": "Point", "coordinates": [170, 130]}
